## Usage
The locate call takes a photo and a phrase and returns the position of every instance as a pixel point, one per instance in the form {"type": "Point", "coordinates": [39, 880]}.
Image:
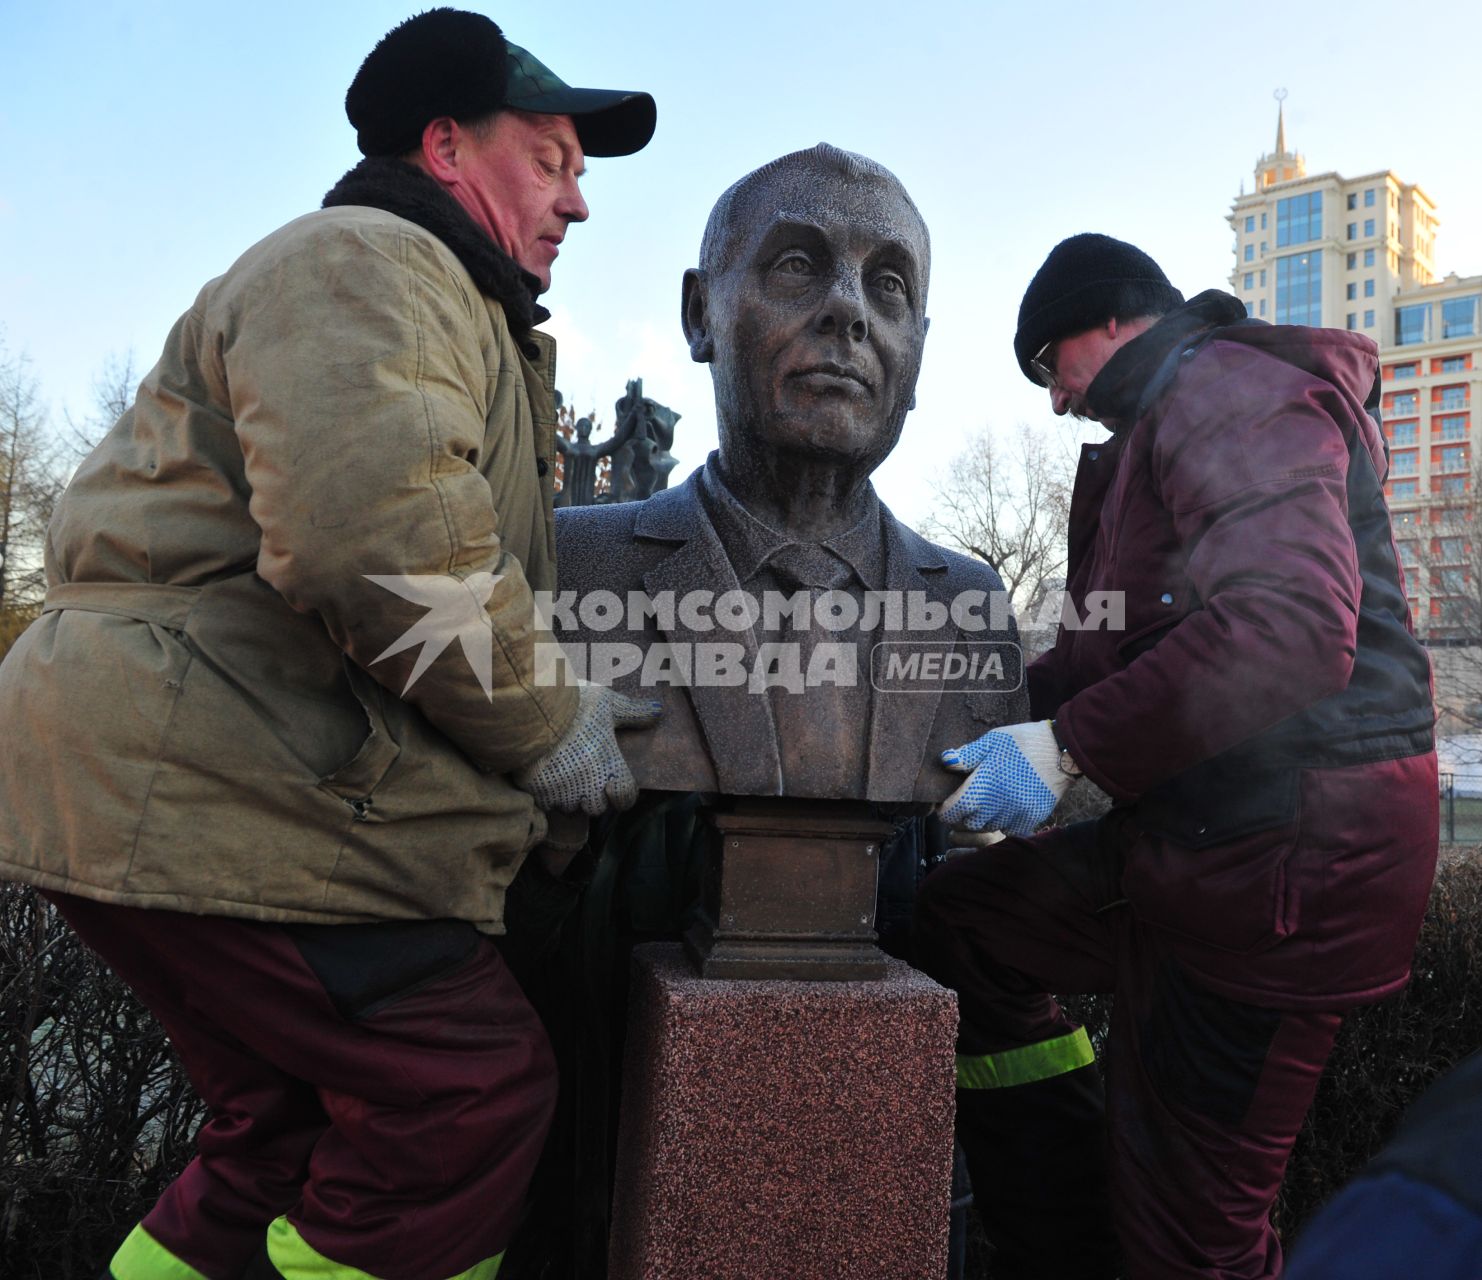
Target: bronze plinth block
{"type": "Point", "coordinates": [790, 892]}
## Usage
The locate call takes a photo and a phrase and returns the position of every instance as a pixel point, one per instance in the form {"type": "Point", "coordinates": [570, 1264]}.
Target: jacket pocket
{"type": "Point", "coordinates": [1232, 896]}
{"type": "Point", "coordinates": [234, 812]}
{"type": "Point", "coordinates": [1220, 869]}
{"type": "Point", "coordinates": [1210, 804]}
{"type": "Point", "coordinates": [356, 780]}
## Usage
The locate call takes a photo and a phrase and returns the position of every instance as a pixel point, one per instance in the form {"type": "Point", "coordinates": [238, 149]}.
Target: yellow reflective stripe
{"type": "Point", "coordinates": [297, 1259]}
{"type": "Point", "coordinates": [1027, 1064]}
{"type": "Point", "coordinates": [142, 1257]}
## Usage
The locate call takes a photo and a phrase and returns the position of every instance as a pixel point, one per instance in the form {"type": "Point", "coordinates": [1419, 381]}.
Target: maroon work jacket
{"type": "Point", "coordinates": [1263, 717]}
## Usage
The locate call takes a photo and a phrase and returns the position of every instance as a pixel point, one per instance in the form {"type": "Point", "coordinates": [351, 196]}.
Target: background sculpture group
{"type": "Point", "coordinates": [638, 453]}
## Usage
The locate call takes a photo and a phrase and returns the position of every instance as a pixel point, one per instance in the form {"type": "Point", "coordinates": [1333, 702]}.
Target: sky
{"type": "Point", "coordinates": [147, 144]}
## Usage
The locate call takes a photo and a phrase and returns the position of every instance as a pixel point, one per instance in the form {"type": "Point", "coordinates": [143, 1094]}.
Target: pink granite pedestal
{"type": "Point", "coordinates": [783, 1130]}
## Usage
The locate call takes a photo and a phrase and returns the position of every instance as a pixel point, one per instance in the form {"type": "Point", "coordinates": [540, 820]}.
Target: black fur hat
{"type": "Point", "coordinates": [447, 62]}
{"type": "Point", "coordinates": [1085, 281]}
{"type": "Point", "coordinates": [444, 62]}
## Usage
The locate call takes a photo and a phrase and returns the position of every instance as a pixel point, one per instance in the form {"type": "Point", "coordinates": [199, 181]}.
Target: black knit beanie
{"type": "Point", "coordinates": [1085, 281]}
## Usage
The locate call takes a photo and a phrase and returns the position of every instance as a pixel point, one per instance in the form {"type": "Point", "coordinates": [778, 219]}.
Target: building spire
{"type": "Point", "coordinates": [1280, 165]}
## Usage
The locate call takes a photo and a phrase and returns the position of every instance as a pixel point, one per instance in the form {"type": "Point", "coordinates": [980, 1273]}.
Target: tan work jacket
{"type": "Point", "coordinates": [202, 719]}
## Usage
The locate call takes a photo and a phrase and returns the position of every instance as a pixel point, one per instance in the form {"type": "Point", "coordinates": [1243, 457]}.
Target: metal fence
{"type": "Point", "coordinates": [1461, 815]}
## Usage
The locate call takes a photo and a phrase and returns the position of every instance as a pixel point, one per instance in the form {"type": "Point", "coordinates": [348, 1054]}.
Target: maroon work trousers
{"type": "Point", "coordinates": [386, 1087]}
{"type": "Point", "coordinates": [1204, 1094]}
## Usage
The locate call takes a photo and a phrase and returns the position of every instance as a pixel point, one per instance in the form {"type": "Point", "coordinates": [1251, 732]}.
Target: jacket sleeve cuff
{"type": "Point", "coordinates": [1065, 730]}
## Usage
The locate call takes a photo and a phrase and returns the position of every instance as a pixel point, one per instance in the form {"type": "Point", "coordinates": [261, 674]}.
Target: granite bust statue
{"type": "Point", "coordinates": [804, 642]}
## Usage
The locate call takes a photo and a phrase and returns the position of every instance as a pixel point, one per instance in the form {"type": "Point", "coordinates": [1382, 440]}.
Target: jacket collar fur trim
{"type": "Point", "coordinates": [1116, 392]}
{"type": "Point", "coordinates": [384, 182]}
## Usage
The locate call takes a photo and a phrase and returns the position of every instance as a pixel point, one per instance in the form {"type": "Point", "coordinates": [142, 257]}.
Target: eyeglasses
{"type": "Point", "coordinates": [1042, 365]}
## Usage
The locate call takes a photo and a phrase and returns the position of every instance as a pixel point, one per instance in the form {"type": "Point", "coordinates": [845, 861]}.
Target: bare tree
{"type": "Point", "coordinates": [114, 389]}
{"type": "Point", "coordinates": [30, 481]}
{"type": "Point", "coordinates": [1008, 504]}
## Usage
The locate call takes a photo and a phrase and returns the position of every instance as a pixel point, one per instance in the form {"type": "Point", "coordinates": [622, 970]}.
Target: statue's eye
{"type": "Point", "coordinates": [889, 282]}
{"type": "Point", "coordinates": [794, 264]}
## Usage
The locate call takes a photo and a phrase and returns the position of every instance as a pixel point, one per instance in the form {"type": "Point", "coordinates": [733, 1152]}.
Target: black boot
{"type": "Point", "coordinates": [1037, 1156]}
{"type": "Point", "coordinates": [261, 1267]}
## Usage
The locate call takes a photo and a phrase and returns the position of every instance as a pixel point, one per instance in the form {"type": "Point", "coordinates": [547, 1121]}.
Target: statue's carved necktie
{"type": "Point", "coordinates": [809, 566]}
{"type": "Point", "coordinates": [822, 727]}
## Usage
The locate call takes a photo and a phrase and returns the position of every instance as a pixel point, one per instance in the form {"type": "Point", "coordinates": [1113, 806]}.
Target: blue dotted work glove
{"type": "Point", "coordinates": [1014, 780]}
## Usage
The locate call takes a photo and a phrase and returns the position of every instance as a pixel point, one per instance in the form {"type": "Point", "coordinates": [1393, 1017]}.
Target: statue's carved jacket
{"type": "Point", "coordinates": [724, 738]}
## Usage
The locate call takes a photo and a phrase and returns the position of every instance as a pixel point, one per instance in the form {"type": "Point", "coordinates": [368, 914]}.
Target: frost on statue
{"type": "Point", "coordinates": [804, 642]}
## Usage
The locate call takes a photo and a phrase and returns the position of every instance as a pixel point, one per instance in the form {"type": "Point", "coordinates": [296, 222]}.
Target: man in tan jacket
{"type": "Point", "coordinates": [242, 753]}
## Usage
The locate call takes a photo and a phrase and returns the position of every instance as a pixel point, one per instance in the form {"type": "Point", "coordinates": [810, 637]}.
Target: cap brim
{"type": "Point", "coordinates": [609, 122]}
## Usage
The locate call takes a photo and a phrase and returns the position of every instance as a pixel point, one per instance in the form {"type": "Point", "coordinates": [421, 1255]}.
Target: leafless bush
{"type": "Point", "coordinates": [96, 1116]}
{"type": "Point", "coordinates": [1386, 1055]}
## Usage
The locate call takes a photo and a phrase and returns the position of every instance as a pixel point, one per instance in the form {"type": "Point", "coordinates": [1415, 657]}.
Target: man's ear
{"type": "Point", "coordinates": [694, 316]}
{"type": "Point", "coordinates": [439, 152]}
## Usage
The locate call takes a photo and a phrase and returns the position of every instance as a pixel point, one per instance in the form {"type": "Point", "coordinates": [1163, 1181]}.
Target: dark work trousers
{"type": "Point", "coordinates": [1205, 1095]}
{"type": "Point", "coordinates": [378, 1094]}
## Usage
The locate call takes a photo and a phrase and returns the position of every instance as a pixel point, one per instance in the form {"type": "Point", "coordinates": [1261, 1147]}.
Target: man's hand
{"type": "Point", "coordinates": [1014, 780]}
{"type": "Point", "coordinates": [565, 836]}
{"type": "Point", "coordinates": [586, 771]}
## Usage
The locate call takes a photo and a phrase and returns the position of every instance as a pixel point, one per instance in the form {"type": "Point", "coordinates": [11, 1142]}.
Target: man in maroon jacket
{"type": "Point", "coordinates": [1261, 719]}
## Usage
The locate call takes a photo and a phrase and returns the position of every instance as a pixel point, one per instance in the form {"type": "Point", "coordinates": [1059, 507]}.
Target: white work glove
{"type": "Point", "coordinates": [1014, 780]}
{"type": "Point", "coordinates": [586, 771]}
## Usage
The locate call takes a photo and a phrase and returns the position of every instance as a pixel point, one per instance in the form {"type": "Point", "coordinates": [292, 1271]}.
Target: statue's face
{"type": "Point", "coordinates": [816, 323]}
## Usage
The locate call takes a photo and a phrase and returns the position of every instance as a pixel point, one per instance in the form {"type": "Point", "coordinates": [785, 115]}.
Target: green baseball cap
{"type": "Point", "coordinates": [609, 122]}
{"type": "Point", "coordinates": [449, 62]}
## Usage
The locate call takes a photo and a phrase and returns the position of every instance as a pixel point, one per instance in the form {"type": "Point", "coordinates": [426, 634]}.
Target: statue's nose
{"type": "Point", "coordinates": [843, 312]}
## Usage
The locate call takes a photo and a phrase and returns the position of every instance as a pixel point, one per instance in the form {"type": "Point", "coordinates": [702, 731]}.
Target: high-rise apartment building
{"type": "Point", "coordinates": [1359, 253]}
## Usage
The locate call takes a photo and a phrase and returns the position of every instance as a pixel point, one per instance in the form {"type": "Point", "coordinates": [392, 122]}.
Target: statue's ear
{"type": "Point", "coordinates": [925, 329]}
{"type": "Point", "coordinates": [695, 317]}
